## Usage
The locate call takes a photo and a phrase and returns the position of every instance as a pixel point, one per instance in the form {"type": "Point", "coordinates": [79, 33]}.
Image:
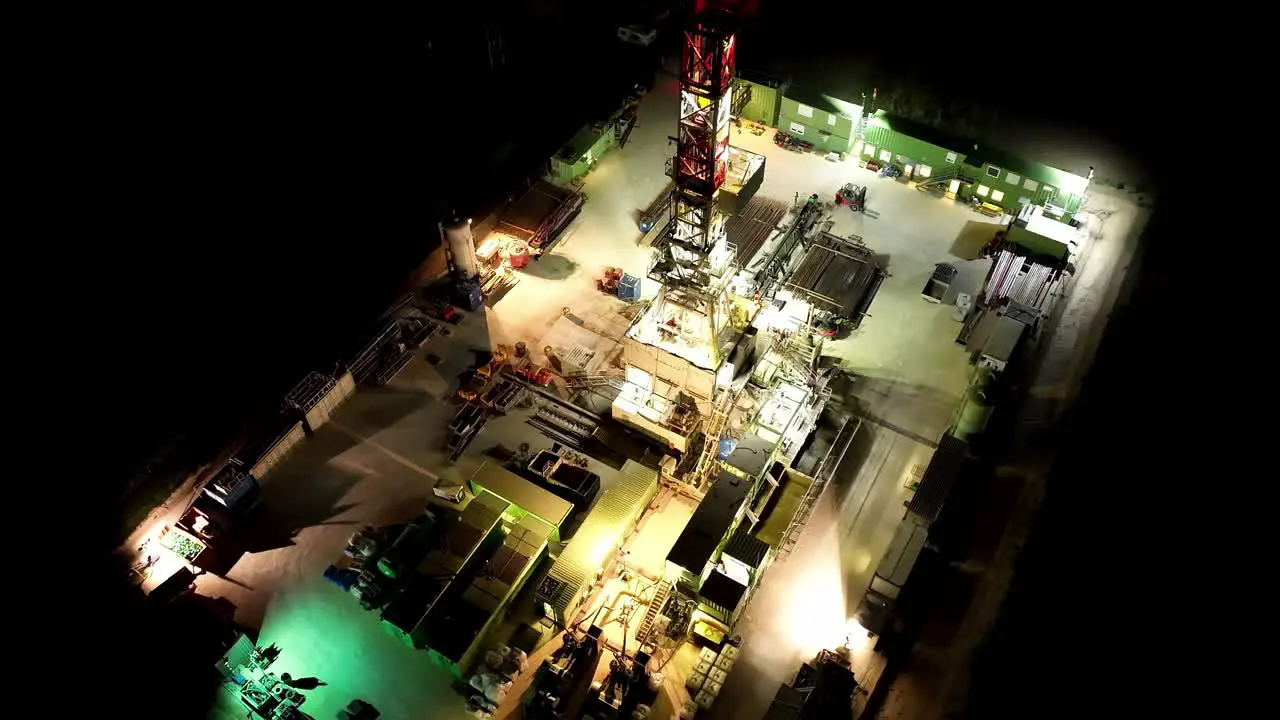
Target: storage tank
{"type": "Point", "coordinates": [461, 245]}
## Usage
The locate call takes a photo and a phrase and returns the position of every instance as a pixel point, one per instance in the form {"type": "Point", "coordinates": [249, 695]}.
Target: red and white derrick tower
{"type": "Point", "coordinates": [694, 252]}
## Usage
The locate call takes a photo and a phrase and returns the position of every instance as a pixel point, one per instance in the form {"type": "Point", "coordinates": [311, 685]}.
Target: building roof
{"type": "Point", "coordinates": [1037, 244]}
{"type": "Point", "coordinates": [821, 101]}
{"type": "Point", "coordinates": [709, 523]}
{"type": "Point", "coordinates": [938, 478]}
{"type": "Point", "coordinates": [956, 143]}
{"type": "Point", "coordinates": [520, 492]}
{"type": "Point", "coordinates": [747, 548]}
{"type": "Point", "coordinates": [987, 154]}
{"type": "Point", "coordinates": [751, 455]}
{"type": "Point", "coordinates": [722, 590]}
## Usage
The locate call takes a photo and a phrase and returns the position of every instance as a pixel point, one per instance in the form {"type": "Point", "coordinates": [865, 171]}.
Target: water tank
{"type": "Point", "coordinates": [461, 246]}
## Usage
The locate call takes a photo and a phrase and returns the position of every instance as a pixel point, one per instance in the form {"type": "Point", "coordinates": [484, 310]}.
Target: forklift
{"type": "Point", "coordinates": [852, 196]}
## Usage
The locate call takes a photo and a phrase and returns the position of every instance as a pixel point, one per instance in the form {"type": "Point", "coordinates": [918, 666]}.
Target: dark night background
{"type": "Point", "coordinates": [270, 189]}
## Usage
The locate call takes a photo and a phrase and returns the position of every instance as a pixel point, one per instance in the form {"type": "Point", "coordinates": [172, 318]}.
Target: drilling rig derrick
{"type": "Point", "coordinates": [695, 253]}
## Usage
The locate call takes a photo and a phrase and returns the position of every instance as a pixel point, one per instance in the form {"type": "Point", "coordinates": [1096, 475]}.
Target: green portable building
{"type": "Point", "coordinates": [925, 153]}
{"type": "Point", "coordinates": [583, 151]}
{"type": "Point", "coordinates": [756, 101]}
{"type": "Point", "coordinates": [920, 151]}
{"type": "Point", "coordinates": [828, 123]}
{"type": "Point", "coordinates": [1008, 181]}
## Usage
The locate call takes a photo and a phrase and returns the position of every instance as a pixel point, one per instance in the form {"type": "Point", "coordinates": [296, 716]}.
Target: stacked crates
{"type": "Point", "coordinates": [708, 676]}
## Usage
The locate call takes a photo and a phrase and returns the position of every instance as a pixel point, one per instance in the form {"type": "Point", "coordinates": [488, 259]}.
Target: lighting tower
{"type": "Point", "coordinates": [694, 253]}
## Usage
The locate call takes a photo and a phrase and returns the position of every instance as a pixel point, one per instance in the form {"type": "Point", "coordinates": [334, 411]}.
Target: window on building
{"type": "Point", "coordinates": [1024, 200]}
{"type": "Point", "coordinates": [997, 195]}
{"type": "Point", "coordinates": [805, 111]}
{"type": "Point", "coordinates": [983, 190]}
{"type": "Point", "coordinates": [1012, 178]}
{"type": "Point", "coordinates": [886, 156]}
{"type": "Point", "coordinates": [1049, 191]}
{"type": "Point", "coordinates": [951, 158]}
{"type": "Point", "coordinates": [824, 136]}
{"type": "Point", "coordinates": [869, 149]}
{"type": "Point", "coordinates": [797, 128]}
{"type": "Point", "coordinates": [924, 171]}
{"type": "Point", "coordinates": [993, 171]}
{"type": "Point", "coordinates": [831, 118]}
{"type": "Point", "coordinates": [1030, 184]}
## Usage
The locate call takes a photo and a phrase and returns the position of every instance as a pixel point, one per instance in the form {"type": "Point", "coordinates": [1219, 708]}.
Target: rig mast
{"type": "Point", "coordinates": [694, 256]}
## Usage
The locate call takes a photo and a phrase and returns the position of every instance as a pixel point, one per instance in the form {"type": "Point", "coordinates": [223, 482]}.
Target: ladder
{"type": "Point", "coordinates": [741, 96]}
{"type": "Point", "coordinates": [711, 433]}
{"type": "Point", "coordinates": [651, 615]}
{"type": "Point", "coordinates": [820, 480]}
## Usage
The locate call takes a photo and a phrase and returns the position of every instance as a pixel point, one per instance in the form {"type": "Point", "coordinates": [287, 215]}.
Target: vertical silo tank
{"type": "Point", "coordinates": [461, 245]}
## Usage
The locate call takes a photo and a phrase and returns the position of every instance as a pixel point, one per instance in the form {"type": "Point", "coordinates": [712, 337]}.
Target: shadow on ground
{"type": "Point", "coordinates": [859, 450]}
{"type": "Point", "coordinates": [376, 409]}
{"type": "Point", "coordinates": [295, 502]}
{"type": "Point", "coordinates": [552, 267]}
{"type": "Point", "coordinates": [972, 238]}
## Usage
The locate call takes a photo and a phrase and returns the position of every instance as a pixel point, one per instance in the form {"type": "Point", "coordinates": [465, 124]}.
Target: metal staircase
{"type": "Point", "coordinates": [660, 594]}
{"type": "Point", "coordinates": [952, 173]}
{"type": "Point", "coordinates": [741, 96]}
{"type": "Point", "coordinates": [711, 433]}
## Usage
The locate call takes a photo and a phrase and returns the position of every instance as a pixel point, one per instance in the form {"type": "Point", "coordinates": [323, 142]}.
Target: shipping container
{"type": "Point", "coordinates": [830, 125]}
{"type": "Point", "coordinates": [756, 102]}
{"type": "Point", "coordinates": [497, 584]}
{"type": "Point", "coordinates": [604, 530]}
{"type": "Point", "coordinates": [920, 151]}
{"type": "Point", "coordinates": [583, 151]}
{"type": "Point", "coordinates": [524, 495]}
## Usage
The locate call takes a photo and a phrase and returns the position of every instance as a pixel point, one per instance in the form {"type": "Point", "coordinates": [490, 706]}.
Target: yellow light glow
{"type": "Point", "coordinates": [856, 637]}
{"type": "Point", "coordinates": [819, 588]}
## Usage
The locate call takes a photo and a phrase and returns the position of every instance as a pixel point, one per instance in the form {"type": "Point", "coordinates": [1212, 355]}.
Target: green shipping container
{"type": "Point", "coordinates": [902, 143]}
{"type": "Point", "coordinates": [826, 126]}
{"type": "Point", "coordinates": [762, 107]}
{"type": "Point", "coordinates": [581, 153]}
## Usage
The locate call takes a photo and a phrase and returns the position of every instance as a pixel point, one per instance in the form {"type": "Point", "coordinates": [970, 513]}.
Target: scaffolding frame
{"type": "Point", "coordinates": [310, 391]}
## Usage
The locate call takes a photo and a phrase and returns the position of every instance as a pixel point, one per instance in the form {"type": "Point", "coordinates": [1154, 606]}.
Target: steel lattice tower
{"type": "Point", "coordinates": [694, 249]}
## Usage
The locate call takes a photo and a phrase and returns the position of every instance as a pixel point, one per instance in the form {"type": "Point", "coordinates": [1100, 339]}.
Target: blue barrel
{"type": "Point", "coordinates": [727, 446]}
{"type": "Point", "coordinates": [342, 577]}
